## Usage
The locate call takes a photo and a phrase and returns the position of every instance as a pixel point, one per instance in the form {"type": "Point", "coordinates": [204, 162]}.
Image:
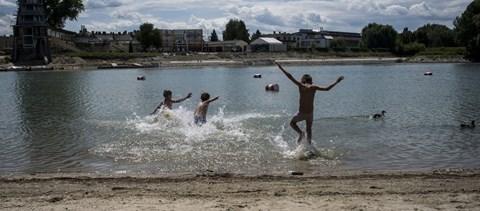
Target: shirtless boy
{"type": "Point", "coordinates": [168, 101]}
{"type": "Point", "coordinates": [202, 109]}
{"type": "Point", "coordinates": [307, 95]}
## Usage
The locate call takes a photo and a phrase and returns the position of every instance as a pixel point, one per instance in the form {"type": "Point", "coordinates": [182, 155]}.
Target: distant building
{"type": "Point", "coordinates": [6, 44]}
{"type": "Point", "coordinates": [103, 41]}
{"type": "Point", "coordinates": [309, 38]}
{"type": "Point", "coordinates": [175, 40]}
{"type": "Point", "coordinates": [352, 39]}
{"type": "Point", "coordinates": [290, 40]}
{"type": "Point", "coordinates": [267, 44]}
{"type": "Point", "coordinates": [182, 40]}
{"type": "Point", "coordinates": [30, 42]}
{"type": "Point", "coordinates": [227, 46]}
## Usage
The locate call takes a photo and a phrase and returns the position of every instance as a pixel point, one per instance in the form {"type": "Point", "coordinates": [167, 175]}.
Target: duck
{"type": "Point", "coordinates": [466, 125]}
{"type": "Point", "coordinates": [378, 116]}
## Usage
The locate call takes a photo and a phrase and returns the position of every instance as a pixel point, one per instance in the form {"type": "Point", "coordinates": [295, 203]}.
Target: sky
{"type": "Point", "coordinates": [266, 16]}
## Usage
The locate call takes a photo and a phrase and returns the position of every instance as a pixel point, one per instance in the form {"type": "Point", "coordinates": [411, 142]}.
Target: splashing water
{"type": "Point", "coordinates": [232, 142]}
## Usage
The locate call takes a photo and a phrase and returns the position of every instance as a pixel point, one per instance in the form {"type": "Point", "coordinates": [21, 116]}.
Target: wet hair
{"type": "Point", "coordinates": [167, 93]}
{"type": "Point", "coordinates": [205, 96]}
{"type": "Point", "coordinates": [306, 79]}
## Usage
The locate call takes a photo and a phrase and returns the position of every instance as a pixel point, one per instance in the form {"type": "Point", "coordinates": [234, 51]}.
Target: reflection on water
{"type": "Point", "coordinates": [99, 120]}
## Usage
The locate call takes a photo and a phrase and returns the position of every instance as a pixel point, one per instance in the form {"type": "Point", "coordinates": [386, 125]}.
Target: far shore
{"type": "Point", "coordinates": [444, 189]}
{"type": "Point", "coordinates": [237, 60]}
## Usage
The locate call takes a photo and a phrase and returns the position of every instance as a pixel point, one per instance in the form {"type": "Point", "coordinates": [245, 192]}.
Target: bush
{"type": "Point", "coordinates": [6, 60]}
{"type": "Point", "coordinates": [409, 49]}
{"type": "Point", "coordinates": [444, 51]}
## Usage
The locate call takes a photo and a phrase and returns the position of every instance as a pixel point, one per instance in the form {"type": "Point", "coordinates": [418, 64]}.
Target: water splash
{"type": "Point", "coordinates": [171, 141]}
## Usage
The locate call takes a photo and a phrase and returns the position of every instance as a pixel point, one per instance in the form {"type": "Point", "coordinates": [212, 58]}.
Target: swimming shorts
{"type": "Point", "coordinates": [300, 117]}
{"type": "Point", "coordinates": [200, 120]}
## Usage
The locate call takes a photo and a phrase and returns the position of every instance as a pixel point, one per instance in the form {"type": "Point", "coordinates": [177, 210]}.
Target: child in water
{"type": "Point", "coordinates": [200, 116]}
{"type": "Point", "coordinates": [168, 101]}
{"type": "Point", "coordinates": [307, 95]}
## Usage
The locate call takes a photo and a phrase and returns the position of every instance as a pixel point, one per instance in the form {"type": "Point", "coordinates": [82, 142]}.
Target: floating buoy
{"type": "Point", "coordinates": [257, 76]}
{"type": "Point", "coordinates": [141, 78]}
{"type": "Point", "coordinates": [428, 73]}
{"type": "Point", "coordinates": [272, 87]}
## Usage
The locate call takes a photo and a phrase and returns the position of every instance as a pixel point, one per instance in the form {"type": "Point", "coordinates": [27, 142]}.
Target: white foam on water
{"type": "Point", "coordinates": [177, 135]}
{"type": "Point", "coordinates": [225, 141]}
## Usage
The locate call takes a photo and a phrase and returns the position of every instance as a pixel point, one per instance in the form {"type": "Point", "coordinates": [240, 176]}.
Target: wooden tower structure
{"type": "Point", "coordinates": [30, 45]}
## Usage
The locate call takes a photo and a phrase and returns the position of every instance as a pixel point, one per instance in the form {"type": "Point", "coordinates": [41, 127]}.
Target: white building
{"type": "Point", "coordinates": [267, 44]}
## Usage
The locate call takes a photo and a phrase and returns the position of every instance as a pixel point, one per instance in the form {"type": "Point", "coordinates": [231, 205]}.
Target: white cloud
{"type": "Point", "coordinates": [99, 4]}
{"type": "Point", "coordinates": [396, 10]}
{"type": "Point", "coordinates": [422, 9]}
{"type": "Point", "coordinates": [5, 3]}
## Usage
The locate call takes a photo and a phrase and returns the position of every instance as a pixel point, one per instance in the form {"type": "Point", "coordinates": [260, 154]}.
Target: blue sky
{"type": "Point", "coordinates": [264, 15]}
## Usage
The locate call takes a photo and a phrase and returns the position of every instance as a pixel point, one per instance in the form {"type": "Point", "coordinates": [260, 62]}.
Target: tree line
{"type": "Point", "coordinates": [466, 33]}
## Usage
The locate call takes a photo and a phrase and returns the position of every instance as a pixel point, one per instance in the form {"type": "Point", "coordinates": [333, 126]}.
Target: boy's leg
{"type": "Point", "coordinates": [309, 122]}
{"type": "Point", "coordinates": [294, 125]}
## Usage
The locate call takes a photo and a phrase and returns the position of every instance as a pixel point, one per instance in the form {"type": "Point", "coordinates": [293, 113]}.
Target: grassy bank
{"type": "Point", "coordinates": [444, 52]}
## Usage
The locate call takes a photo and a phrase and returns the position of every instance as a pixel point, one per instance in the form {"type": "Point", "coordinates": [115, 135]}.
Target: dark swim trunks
{"type": "Point", "coordinates": [200, 120]}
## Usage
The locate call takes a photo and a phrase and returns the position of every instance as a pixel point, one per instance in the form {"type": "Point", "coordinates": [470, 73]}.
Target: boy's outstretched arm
{"type": "Point", "coordinates": [289, 76]}
{"type": "Point", "coordinates": [180, 100]}
{"type": "Point", "coordinates": [213, 99]}
{"type": "Point", "coordinates": [326, 88]}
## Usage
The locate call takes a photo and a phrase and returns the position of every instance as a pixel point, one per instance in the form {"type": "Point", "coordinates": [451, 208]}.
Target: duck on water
{"type": "Point", "coordinates": [466, 125]}
{"type": "Point", "coordinates": [378, 116]}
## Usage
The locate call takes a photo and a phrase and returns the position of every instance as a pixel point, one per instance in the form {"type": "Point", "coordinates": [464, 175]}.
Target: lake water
{"type": "Point", "coordinates": [98, 120]}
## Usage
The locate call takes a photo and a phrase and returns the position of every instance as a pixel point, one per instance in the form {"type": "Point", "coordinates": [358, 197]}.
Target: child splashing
{"type": "Point", "coordinates": [307, 95]}
{"type": "Point", "coordinates": [200, 117]}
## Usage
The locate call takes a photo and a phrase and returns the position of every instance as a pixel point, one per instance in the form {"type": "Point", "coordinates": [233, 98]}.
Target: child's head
{"type": "Point", "coordinates": [205, 96]}
{"type": "Point", "coordinates": [167, 93]}
{"type": "Point", "coordinates": [306, 79]}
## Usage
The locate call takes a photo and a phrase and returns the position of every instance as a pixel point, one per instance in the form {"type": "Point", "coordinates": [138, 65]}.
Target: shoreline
{"type": "Point", "coordinates": [445, 189]}
{"type": "Point", "coordinates": [76, 63]}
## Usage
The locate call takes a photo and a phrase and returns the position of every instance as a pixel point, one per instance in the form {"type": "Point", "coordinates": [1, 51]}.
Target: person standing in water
{"type": "Point", "coordinates": [168, 101]}
{"type": "Point", "coordinates": [307, 95]}
{"type": "Point", "coordinates": [200, 116]}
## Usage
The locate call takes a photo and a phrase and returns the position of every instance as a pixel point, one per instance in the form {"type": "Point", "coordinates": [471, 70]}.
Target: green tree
{"type": "Point", "coordinates": [467, 30]}
{"type": "Point", "coordinates": [408, 49]}
{"type": "Point", "coordinates": [130, 47]}
{"type": "Point", "coordinates": [435, 35]}
{"type": "Point", "coordinates": [256, 35]}
{"type": "Point", "coordinates": [379, 36]}
{"type": "Point", "coordinates": [406, 36]}
{"type": "Point", "coordinates": [214, 36]}
{"type": "Point", "coordinates": [236, 30]}
{"type": "Point", "coordinates": [58, 11]}
{"type": "Point", "coordinates": [157, 39]}
{"type": "Point", "coordinates": [338, 43]}
{"type": "Point", "coordinates": [148, 36]}
{"type": "Point", "coordinates": [145, 36]}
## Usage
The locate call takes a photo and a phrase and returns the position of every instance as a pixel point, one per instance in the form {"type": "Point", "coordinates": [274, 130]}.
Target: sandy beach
{"type": "Point", "coordinates": [447, 189]}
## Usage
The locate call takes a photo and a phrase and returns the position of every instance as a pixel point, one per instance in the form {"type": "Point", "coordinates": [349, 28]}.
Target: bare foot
{"type": "Point", "coordinates": [300, 137]}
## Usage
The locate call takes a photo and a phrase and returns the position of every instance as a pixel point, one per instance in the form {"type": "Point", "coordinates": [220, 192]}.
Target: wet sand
{"type": "Point", "coordinates": [455, 189]}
